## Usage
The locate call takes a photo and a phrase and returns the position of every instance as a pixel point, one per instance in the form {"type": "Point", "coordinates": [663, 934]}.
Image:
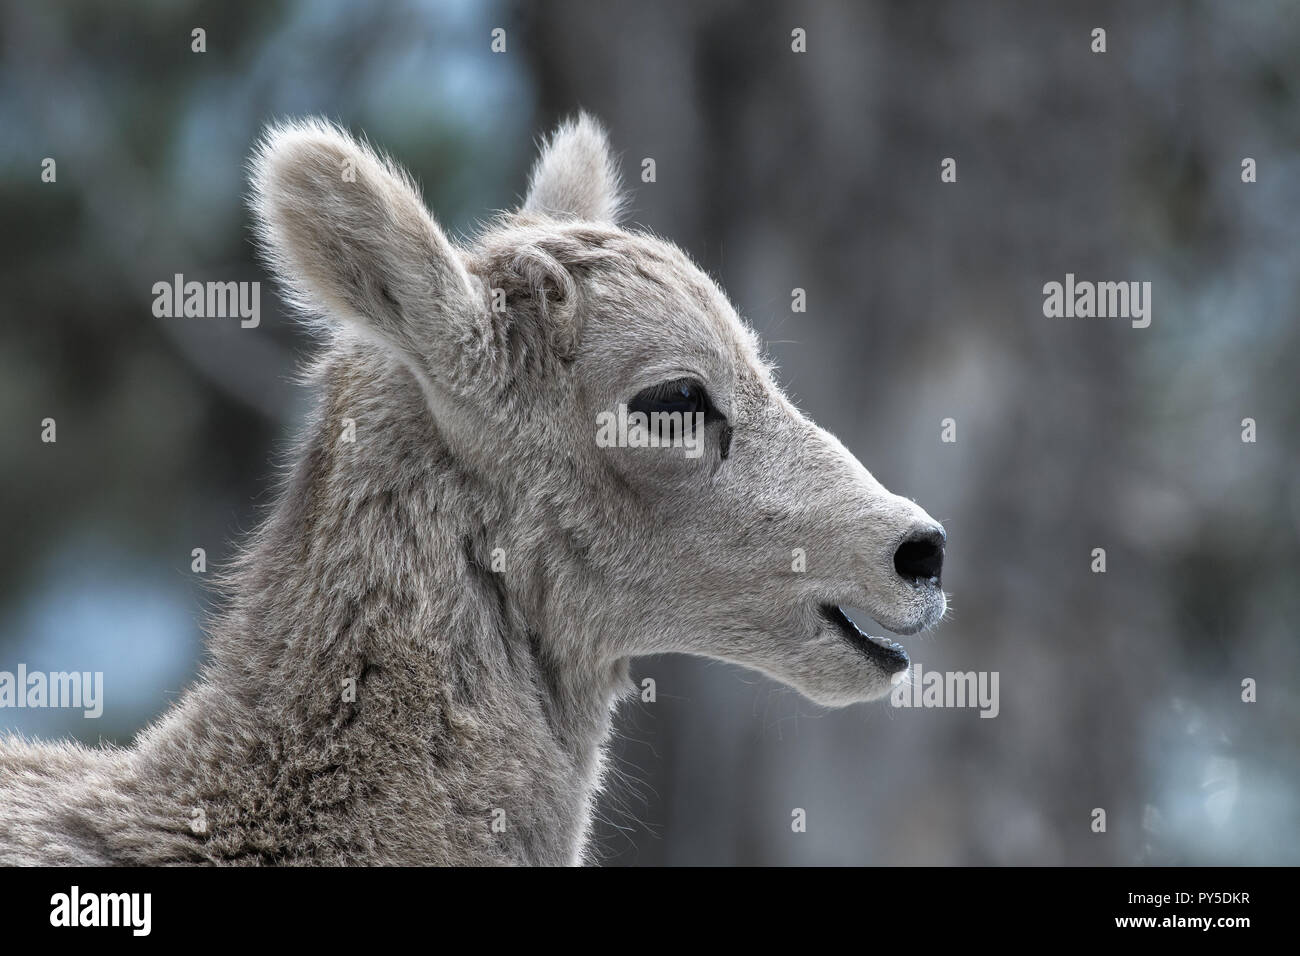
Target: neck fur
{"type": "Point", "coordinates": [377, 691]}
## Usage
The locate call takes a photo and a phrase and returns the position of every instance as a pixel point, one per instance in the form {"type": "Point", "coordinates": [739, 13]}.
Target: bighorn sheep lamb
{"type": "Point", "coordinates": [422, 646]}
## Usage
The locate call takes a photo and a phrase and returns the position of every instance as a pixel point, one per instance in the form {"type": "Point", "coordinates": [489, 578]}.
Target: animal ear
{"type": "Point", "coordinates": [346, 231]}
{"type": "Point", "coordinates": [576, 177]}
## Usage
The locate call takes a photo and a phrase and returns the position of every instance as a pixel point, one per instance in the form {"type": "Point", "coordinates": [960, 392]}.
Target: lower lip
{"type": "Point", "coordinates": [889, 655]}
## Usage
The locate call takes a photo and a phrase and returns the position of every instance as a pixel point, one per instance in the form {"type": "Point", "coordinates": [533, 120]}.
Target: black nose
{"type": "Point", "coordinates": [919, 559]}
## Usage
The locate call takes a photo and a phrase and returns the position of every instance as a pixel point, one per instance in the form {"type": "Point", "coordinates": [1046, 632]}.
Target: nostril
{"type": "Point", "coordinates": [920, 557]}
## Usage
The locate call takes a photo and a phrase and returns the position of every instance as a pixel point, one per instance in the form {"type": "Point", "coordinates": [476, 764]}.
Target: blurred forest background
{"type": "Point", "coordinates": [775, 170]}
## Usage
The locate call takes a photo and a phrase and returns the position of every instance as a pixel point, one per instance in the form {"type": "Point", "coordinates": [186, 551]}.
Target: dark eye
{"type": "Point", "coordinates": [680, 395]}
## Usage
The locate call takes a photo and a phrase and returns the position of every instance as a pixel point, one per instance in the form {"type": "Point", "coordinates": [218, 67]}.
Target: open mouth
{"type": "Point", "coordinates": [888, 654]}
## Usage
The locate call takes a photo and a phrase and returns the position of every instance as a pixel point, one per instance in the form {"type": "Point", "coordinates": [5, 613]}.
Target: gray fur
{"type": "Point", "coordinates": [477, 690]}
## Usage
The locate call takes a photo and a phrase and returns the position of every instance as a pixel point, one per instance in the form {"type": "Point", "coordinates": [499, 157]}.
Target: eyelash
{"type": "Point", "coordinates": [684, 395]}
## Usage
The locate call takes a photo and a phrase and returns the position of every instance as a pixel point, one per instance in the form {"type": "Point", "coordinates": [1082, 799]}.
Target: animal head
{"type": "Point", "coordinates": [661, 493]}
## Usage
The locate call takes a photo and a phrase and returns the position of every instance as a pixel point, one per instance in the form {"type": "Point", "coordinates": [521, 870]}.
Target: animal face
{"type": "Point", "coordinates": [747, 550]}
{"type": "Point", "coordinates": [669, 495]}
